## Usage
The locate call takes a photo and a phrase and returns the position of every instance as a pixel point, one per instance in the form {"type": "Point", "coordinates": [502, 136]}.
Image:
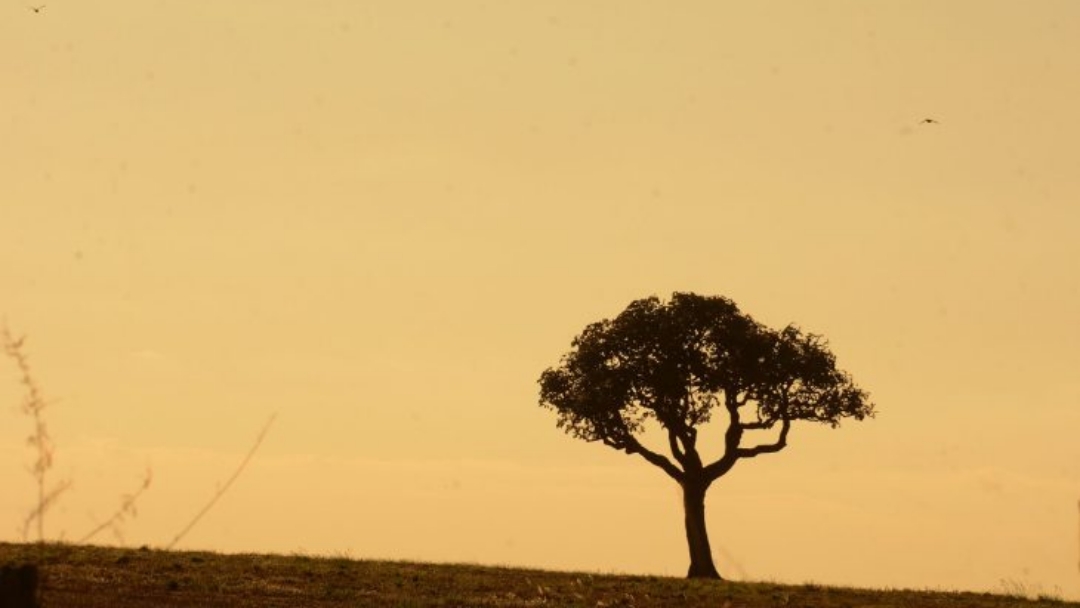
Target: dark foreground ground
{"type": "Point", "coordinates": [82, 576]}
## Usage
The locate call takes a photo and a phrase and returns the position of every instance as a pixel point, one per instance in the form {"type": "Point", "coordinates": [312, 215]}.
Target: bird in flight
{"type": "Point", "coordinates": [929, 121]}
{"type": "Point", "coordinates": [36, 9]}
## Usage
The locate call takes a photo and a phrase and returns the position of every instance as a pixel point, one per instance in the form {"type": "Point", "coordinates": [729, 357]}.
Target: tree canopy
{"type": "Point", "coordinates": [682, 362]}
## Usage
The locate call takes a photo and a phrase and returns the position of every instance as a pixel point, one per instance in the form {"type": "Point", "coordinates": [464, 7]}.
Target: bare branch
{"type": "Point", "coordinates": [633, 446]}
{"type": "Point", "coordinates": [673, 443]}
{"type": "Point", "coordinates": [45, 502]}
{"type": "Point", "coordinates": [611, 443]}
{"type": "Point", "coordinates": [732, 451]}
{"type": "Point", "coordinates": [127, 509]}
{"type": "Point", "coordinates": [732, 437]}
{"type": "Point", "coordinates": [768, 448]}
{"type": "Point", "coordinates": [34, 405]}
{"type": "Point", "coordinates": [221, 491]}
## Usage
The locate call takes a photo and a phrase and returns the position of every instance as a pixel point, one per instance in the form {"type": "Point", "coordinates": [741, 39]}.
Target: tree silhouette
{"type": "Point", "coordinates": [679, 362]}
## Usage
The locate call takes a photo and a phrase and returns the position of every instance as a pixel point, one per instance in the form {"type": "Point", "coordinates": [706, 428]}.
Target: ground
{"type": "Point", "coordinates": [93, 577]}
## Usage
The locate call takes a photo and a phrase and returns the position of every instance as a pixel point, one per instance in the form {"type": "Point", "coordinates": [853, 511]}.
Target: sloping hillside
{"type": "Point", "coordinates": [78, 576]}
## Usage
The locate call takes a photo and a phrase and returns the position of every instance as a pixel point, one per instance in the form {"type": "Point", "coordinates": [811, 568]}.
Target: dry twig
{"type": "Point", "coordinates": [34, 405]}
{"type": "Point", "coordinates": [221, 491]}
{"type": "Point", "coordinates": [127, 509]}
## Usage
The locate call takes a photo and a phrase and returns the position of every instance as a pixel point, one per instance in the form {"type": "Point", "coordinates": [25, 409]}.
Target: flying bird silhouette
{"type": "Point", "coordinates": [36, 9]}
{"type": "Point", "coordinates": [929, 121]}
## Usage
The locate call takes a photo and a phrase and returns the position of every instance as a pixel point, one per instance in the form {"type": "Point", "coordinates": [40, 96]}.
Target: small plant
{"type": "Point", "coordinates": [33, 405]}
{"type": "Point", "coordinates": [1016, 588]}
{"type": "Point", "coordinates": [127, 509]}
{"type": "Point", "coordinates": [1012, 587]}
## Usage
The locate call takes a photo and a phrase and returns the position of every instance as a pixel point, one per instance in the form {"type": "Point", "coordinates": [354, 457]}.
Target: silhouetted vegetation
{"type": "Point", "coordinates": [100, 577]}
{"type": "Point", "coordinates": [33, 405]}
{"type": "Point", "coordinates": [679, 363]}
{"type": "Point", "coordinates": [228, 484]}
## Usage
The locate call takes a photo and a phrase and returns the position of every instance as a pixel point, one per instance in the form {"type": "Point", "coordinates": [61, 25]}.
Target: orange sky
{"type": "Point", "coordinates": [383, 220]}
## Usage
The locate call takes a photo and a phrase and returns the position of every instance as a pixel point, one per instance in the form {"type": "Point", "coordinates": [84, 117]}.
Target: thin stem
{"type": "Point", "coordinates": [221, 491]}
{"type": "Point", "coordinates": [34, 405]}
{"type": "Point", "coordinates": [127, 507]}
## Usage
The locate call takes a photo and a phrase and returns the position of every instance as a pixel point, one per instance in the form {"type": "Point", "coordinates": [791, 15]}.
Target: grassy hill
{"type": "Point", "coordinates": [84, 576]}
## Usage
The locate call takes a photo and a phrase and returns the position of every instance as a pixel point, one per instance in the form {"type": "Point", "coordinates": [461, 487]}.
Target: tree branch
{"type": "Point", "coordinates": [127, 509]}
{"type": "Point", "coordinates": [732, 437]}
{"type": "Point", "coordinates": [768, 448]}
{"type": "Point", "coordinates": [633, 446]}
{"type": "Point", "coordinates": [732, 451]}
{"type": "Point", "coordinates": [673, 443]}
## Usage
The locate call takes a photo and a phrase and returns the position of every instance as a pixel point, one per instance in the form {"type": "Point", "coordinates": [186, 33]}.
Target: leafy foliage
{"type": "Point", "coordinates": [679, 363]}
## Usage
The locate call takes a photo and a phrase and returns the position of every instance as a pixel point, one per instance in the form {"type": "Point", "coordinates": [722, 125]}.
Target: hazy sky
{"type": "Point", "coordinates": [384, 219]}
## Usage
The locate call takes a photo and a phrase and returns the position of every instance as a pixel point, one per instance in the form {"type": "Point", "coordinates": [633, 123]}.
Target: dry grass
{"type": "Point", "coordinates": [83, 576]}
{"type": "Point", "coordinates": [33, 405]}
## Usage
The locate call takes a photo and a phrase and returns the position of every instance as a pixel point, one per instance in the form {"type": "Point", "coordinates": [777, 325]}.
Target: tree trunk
{"type": "Point", "coordinates": [701, 563]}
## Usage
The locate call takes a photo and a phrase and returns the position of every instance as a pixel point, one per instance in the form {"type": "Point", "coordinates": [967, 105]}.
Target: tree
{"type": "Point", "coordinates": [677, 363]}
